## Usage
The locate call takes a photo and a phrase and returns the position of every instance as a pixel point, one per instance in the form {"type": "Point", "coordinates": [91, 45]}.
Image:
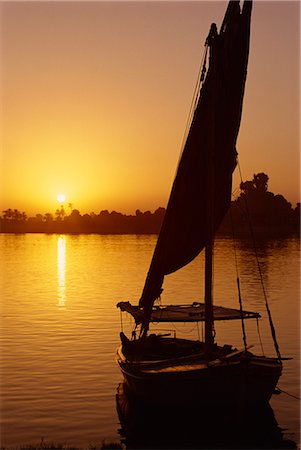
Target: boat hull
{"type": "Point", "coordinates": [243, 380]}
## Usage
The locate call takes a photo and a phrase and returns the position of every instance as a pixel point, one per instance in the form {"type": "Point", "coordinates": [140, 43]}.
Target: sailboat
{"type": "Point", "coordinates": [166, 369]}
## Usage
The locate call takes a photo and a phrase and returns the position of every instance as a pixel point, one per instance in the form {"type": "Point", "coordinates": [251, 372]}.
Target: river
{"type": "Point", "coordinates": [60, 326]}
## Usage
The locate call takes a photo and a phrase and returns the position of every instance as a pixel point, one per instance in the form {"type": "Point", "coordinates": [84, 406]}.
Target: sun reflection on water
{"type": "Point", "coordinates": [61, 271]}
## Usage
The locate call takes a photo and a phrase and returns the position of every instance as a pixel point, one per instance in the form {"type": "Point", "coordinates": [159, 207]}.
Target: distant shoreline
{"type": "Point", "coordinates": [256, 208]}
{"type": "Point", "coordinates": [146, 224]}
{"type": "Point", "coordinates": [240, 234]}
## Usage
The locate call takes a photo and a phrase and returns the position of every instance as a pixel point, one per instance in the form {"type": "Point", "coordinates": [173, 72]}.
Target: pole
{"type": "Point", "coordinates": [209, 338]}
{"type": "Point", "coordinates": [209, 319]}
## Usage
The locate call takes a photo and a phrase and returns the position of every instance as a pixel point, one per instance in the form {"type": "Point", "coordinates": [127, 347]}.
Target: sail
{"type": "Point", "coordinates": [210, 150]}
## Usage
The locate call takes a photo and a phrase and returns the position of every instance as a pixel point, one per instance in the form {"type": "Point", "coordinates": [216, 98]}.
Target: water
{"type": "Point", "coordinates": [60, 326]}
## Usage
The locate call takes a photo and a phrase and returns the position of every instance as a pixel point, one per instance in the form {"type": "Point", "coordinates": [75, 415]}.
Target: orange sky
{"type": "Point", "coordinates": [96, 97]}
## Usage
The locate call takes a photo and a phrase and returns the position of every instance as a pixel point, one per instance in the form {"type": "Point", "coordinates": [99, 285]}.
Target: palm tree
{"type": "Point", "coordinates": [48, 217]}
{"type": "Point", "coordinates": [60, 213]}
{"type": "Point", "coordinates": [7, 214]}
{"type": "Point", "coordinates": [16, 215]}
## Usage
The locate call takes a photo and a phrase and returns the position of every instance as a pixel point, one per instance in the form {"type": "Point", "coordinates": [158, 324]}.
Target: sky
{"type": "Point", "coordinates": [96, 97]}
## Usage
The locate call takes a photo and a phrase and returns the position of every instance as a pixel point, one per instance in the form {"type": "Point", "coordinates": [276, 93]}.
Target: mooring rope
{"type": "Point", "coordinates": [260, 274]}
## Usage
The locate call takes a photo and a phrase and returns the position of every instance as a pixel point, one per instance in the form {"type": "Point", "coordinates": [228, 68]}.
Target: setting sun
{"type": "Point", "coordinates": [60, 117]}
{"type": "Point", "coordinates": [61, 198]}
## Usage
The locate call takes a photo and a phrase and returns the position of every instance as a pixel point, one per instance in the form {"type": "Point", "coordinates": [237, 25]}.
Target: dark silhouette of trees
{"type": "Point", "coordinates": [7, 214]}
{"type": "Point", "coordinates": [296, 217]}
{"type": "Point", "coordinates": [12, 221]}
{"type": "Point", "coordinates": [265, 211]}
{"type": "Point", "coordinates": [258, 208]}
{"type": "Point", "coordinates": [60, 213]}
{"type": "Point", "coordinates": [73, 221]}
{"type": "Point", "coordinates": [14, 215]}
{"type": "Point", "coordinates": [48, 217]}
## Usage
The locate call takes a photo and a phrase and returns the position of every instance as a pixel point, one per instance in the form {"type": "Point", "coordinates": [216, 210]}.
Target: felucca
{"type": "Point", "coordinates": [169, 369]}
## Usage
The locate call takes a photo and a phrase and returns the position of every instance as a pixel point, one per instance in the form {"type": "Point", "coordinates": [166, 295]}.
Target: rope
{"type": "Point", "coordinates": [287, 393]}
{"type": "Point", "coordinates": [198, 331]}
{"type": "Point", "coordinates": [200, 79]}
{"type": "Point", "coordinates": [258, 330]}
{"type": "Point", "coordinates": [238, 287]}
{"type": "Point", "coordinates": [260, 275]}
{"type": "Point", "coordinates": [192, 106]}
{"type": "Point", "coordinates": [184, 331]}
{"type": "Point", "coordinates": [241, 314]}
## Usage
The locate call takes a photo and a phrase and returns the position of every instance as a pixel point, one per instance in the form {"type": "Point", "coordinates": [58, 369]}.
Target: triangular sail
{"type": "Point", "coordinates": [212, 134]}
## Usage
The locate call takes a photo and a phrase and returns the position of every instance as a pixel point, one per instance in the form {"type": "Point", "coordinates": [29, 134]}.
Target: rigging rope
{"type": "Point", "coordinates": [184, 331]}
{"type": "Point", "coordinates": [198, 331]}
{"type": "Point", "coordinates": [260, 273]}
{"type": "Point", "coordinates": [287, 393]}
{"type": "Point", "coordinates": [200, 78]}
{"type": "Point", "coordinates": [238, 287]}
{"type": "Point", "coordinates": [258, 331]}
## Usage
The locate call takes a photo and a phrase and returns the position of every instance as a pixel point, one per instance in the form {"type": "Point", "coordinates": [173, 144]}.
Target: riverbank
{"type": "Point", "coordinates": [42, 445]}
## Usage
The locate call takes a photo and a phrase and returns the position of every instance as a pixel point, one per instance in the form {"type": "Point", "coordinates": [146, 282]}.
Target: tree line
{"type": "Point", "coordinates": [255, 205]}
{"type": "Point", "coordinates": [12, 221]}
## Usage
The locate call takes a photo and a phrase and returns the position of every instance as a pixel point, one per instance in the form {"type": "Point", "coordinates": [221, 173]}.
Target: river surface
{"type": "Point", "coordinates": [60, 326]}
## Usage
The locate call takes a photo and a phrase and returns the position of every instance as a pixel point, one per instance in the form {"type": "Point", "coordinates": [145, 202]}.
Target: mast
{"type": "Point", "coordinates": [209, 321]}
{"type": "Point", "coordinates": [209, 337]}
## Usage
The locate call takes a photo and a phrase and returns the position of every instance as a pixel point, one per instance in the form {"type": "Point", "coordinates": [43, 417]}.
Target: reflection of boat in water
{"type": "Point", "coordinates": [194, 427]}
{"type": "Point", "coordinates": [163, 368]}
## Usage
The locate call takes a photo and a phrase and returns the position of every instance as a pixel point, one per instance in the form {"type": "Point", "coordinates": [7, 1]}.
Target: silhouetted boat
{"type": "Point", "coordinates": [170, 369]}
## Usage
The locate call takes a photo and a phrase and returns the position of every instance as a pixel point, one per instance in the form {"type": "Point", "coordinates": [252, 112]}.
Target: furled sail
{"type": "Point", "coordinates": [209, 148]}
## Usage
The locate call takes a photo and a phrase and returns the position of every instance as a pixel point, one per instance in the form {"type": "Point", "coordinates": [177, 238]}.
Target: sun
{"type": "Point", "coordinates": [61, 198]}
